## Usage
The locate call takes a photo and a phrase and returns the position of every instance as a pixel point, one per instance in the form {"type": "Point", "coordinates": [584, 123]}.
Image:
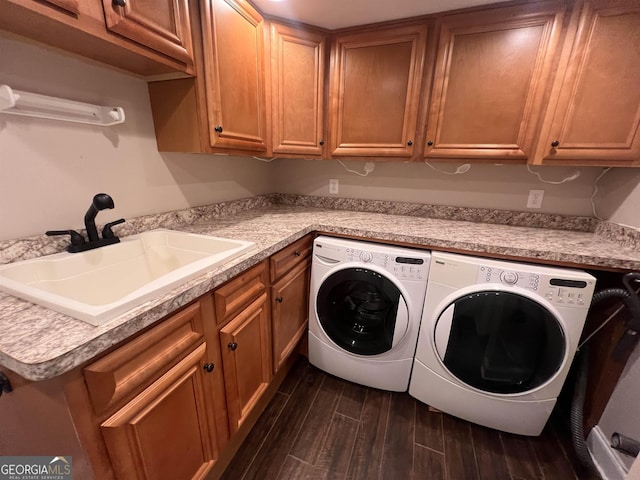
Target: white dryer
{"type": "Point", "coordinates": [365, 307]}
{"type": "Point", "coordinates": [497, 339]}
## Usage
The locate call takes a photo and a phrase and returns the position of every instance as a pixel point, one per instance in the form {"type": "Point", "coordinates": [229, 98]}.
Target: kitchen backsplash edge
{"type": "Point", "coordinates": [39, 245]}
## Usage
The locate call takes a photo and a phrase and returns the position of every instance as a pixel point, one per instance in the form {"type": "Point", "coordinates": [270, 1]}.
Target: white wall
{"type": "Point", "coordinates": [50, 170]}
{"type": "Point", "coordinates": [504, 187]}
{"type": "Point", "coordinates": [622, 413]}
{"type": "Point", "coordinates": [621, 196]}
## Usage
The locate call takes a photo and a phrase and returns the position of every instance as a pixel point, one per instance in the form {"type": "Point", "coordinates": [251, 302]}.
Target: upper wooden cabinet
{"type": "Point", "coordinates": [234, 75]}
{"type": "Point", "coordinates": [297, 90]}
{"type": "Point", "coordinates": [491, 73]}
{"type": "Point", "coordinates": [594, 112]}
{"type": "Point", "coordinates": [145, 37]}
{"type": "Point", "coordinates": [374, 94]}
{"type": "Point", "coordinates": [161, 25]}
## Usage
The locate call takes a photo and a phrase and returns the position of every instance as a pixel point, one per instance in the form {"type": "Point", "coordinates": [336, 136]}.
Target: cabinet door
{"type": "Point", "coordinates": [165, 432]}
{"type": "Point", "coordinates": [234, 50]}
{"type": "Point", "coordinates": [594, 111]}
{"type": "Point", "coordinates": [162, 25]}
{"type": "Point", "coordinates": [289, 311]}
{"type": "Point", "coordinates": [246, 358]}
{"type": "Point", "coordinates": [297, 66]}
{"type": "Point", "coordinates": [374, 94]}
{"type": "Point", "coordinates": [492, 69]}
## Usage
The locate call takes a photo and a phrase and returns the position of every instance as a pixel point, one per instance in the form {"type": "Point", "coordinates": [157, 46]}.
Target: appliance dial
{"type": "Point", "coordinates": [510, 278]}
{"type": "Point", "coordinates": [366, 256]}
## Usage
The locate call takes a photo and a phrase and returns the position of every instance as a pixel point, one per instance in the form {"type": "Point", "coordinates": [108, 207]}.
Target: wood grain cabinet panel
{"type": "Point", "coordinates": [233, 53]}
{"type": "Point", "coordinates": [287, 258]}
{"type": "Point", "coordinates": [594, 112]}
{"type": "Point", "coordinates": [240, 292]}
{"type": "Point", "coordinates": [161, 25]}
{"type": "Point", "coordinates": [165, 432]}
{"type": "Point", "coordinates": [492, 69]}
{"type": "Point", "coordinates": [131, 367]}
{"type": "Point", "coordinates": [289, 311]}
{"type": "Point", "coordinates": [70, 6]}
{"type": "Point", "coordinates": [374, 93]}
{"type": "Point", "coordinates": [245, 343]}
{"type": "Point", "coordinates": [297, 92]}
{"type": "Point", "coordinates": [147, 37]}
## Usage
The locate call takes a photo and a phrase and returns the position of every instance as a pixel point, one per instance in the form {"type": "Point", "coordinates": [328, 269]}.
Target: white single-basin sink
{"type": "Point", "coordinates": [97, 285]}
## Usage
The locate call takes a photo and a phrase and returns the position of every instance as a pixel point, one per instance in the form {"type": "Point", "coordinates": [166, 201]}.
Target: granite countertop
{"type": "Point", "coordinates": [39, 343]}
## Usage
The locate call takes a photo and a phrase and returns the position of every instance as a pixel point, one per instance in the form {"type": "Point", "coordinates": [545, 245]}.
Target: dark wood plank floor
{"type": "Point", "coordinates": [321, 427]}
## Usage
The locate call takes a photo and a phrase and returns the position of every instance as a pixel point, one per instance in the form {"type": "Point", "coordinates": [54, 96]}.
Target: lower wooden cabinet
{"type": "Point", "coordinates": [290, 311]}
{"type": "Point", "coordinates": [158, 401]}
{"type": "Point", "coordinates": [176, 401]}
{"type": "Point", "coordinates": [164, 432]}
{"type": "Point", "coordinates": [290, 274]}
{"type": "Point", "coordinates": [246, 358]}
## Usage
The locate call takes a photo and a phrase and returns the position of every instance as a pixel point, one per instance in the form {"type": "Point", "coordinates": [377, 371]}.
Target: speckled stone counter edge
{"type": "Point", "coordinates": [31, 247]}
{"type": "Point", "coordinates": [621, 234]}
{"type": "Point", "coordinates": [444, 212]}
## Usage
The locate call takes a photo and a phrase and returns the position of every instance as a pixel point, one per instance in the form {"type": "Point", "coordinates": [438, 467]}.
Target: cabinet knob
{"type": "Point", "coordinates": [208, 367]}
{"type": "Point", "coordinates": [5, 384]}
{"type": "Point", "coordinates": [279, 299]}
{"type": "Point", "coordinates": [430, 143]}
{"type": "Point", "coordinates": [296, 253]}
{"type": "Point", "coordinates": [119, 3]}
{"type": "Point", "coordinates": [410, 142]}
{"type": "Point", "coordinates": [555, 143]}
{"type": "Point", "coordinates": [321, 142]}
{"type": "Point", "coordinates": [218, 128]}
{"type": "Point", "coordinates": [232, 346]}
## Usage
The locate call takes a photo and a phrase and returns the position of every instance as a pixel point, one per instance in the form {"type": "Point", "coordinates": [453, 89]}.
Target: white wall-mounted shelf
{"type": "Point", "coordinates": [17, 102]}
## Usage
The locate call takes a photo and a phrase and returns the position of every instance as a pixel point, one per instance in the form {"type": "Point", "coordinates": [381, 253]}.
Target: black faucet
{"type": "Point", "coordinates": [101, 201]}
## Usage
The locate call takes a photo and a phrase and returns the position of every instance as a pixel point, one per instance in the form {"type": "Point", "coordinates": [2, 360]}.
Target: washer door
{"type": "Point", "coordinates": [362, 311]}
{"type": "Point", "coordinates": [500, 342]}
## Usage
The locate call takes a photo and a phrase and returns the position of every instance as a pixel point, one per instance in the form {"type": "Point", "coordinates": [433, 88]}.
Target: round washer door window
{"type": "Point", "coordinates": [362, 311]}
{"type": "Point", "coordinates": [500, 342]}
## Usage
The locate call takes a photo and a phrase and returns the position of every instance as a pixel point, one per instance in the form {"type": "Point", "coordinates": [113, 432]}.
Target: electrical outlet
{"type": "Point", "coordinates": [535, 198]}
{"type": "Point", "coordinates": [334, 186]}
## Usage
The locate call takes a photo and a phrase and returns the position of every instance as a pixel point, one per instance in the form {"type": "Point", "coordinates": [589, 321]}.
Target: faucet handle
{"type": "Point", "coordinates": [106, 230]}
{"type": "Point", "coordinates": [76, 238]}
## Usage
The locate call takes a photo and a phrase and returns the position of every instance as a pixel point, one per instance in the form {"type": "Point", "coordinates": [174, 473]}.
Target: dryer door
{"type": "Point", "coordinates": [500, 342]}
{"type": "Point", "coordinates": [362, 311]}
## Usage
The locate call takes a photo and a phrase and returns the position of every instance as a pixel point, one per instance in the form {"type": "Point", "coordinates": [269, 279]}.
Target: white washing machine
{"type": "Point", "coordinates": [497, 339]}
{"type": "Point", "coordinates": [365, 307]}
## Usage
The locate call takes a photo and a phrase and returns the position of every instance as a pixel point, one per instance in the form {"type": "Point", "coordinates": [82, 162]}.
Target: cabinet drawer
{"type": "Point", "coordinates": [141, 361]}
{"type": "Point", "coordinates": [239, 292]}
{"type": "Point", "coordinates": [288, 257]}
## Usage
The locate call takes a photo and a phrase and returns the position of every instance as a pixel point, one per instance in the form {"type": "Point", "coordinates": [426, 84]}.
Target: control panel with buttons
{"type": "Point", "coordinates": [556, 290]}
{"type": "Point", "coordinates": [406, 268]}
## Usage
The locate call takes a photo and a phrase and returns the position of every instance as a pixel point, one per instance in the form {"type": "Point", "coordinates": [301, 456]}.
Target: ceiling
{"type": "Point", "coordinates": [334, 14]}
